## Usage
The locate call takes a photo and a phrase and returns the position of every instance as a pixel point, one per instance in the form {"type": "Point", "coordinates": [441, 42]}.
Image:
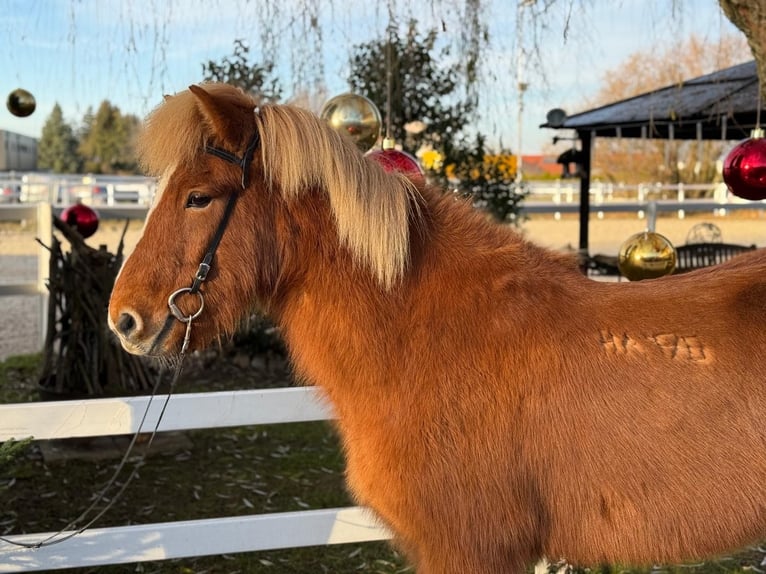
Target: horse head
{"type": "Point", "coordinates": [202, 144]}
{"type": "Point", "coordinates": [225, 228]}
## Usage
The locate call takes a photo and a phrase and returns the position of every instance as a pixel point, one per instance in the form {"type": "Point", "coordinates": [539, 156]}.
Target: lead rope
{"type": "Point", "coordinates": [71, 530]}
{"type": "Point", "coordinates": [59, 536]}
{"type": "Point", "coordinates": [201, 275]}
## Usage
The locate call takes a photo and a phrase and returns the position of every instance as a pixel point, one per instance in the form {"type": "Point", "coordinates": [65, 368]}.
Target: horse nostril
{"type": "Point", "coordinates": [126, 324]}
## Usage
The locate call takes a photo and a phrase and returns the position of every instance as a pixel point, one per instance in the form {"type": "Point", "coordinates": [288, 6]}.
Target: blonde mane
{"type": "Point", "coordinates": [372, 209]}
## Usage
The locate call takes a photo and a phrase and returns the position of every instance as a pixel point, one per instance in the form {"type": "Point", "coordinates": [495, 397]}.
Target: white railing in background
{"type": "Point", "coordinates": [616, 198]}
{"type": "Point", "coordinates": [181, 539]}
{"type": "Point", "coordinates": [67, 189]}
{"type": "Point", "coordinates": [41, 213]}
{"type": "Point", "coordinates": [109, 190]}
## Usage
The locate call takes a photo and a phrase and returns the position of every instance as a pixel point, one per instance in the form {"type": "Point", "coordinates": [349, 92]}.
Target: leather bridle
{"type": "Point", "coordinates": [204, 267]}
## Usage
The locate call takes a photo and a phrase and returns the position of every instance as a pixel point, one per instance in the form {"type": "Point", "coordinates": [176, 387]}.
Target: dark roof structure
{"type": "Point", "coordinates": [722, 105]}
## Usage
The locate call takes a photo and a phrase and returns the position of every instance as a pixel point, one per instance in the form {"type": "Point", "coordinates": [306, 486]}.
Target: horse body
{"type": "Point", "coordinates": [570, 418]}
{"type": "Point", "coordinates": [495, 406]}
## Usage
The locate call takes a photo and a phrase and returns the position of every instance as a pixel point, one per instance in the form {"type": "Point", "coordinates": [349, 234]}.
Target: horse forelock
{"type": "Point", "coordinates": [373, 210]}
{"type": "Point", "coordinates": [176, 131]}
{"type": "Point", "coordinates": [172, 134]}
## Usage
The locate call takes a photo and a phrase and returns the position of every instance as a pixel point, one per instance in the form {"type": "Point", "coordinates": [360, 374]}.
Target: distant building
{"type": "Point", "coordinates": [540, 167]}
{"type": "Point", "coordinates": [17, 152]}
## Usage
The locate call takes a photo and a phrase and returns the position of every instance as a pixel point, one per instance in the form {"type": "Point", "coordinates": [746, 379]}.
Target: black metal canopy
{"type": "Point", "coordinates": [718, 106]}
{"type": "Point", "coordinates": [722, 105]}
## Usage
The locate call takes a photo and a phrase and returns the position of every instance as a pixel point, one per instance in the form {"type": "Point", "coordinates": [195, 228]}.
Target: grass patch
{"type": "Point", "coordinates": [225, 472]}
{"type": "Point", "coordinates": [232, 472]}
{"type": "Point", "coordinates": [18, 378]}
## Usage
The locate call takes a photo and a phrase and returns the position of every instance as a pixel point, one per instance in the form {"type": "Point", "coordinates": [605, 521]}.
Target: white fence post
{"type": "Point", "coordinates": [599, 189]}
{"type": "Point", "coordinates": [557, 200]}
{"type": "Point", "coordinates": [45, 235]}
{"type": "Point", "coordinates": [681, 196]}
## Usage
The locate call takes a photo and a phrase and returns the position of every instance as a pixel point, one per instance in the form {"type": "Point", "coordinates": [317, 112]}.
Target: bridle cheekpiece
{"type": "Point", "coordinates": [204, 267]}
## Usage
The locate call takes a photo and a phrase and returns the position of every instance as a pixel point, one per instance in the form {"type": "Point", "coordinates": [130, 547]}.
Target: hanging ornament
{"type": "Point", "coordinates": [355, 116]}
{"type": "Point", "coordinates": [82, 218]}
{"type": "Point", "coordinates": [646, 255]}
{"type": "Point", "coordinates": [21, 103]}
{"type": "Point", "coordinates": [392, 159]}
{"type": "Point", "coordinates": [744, 169]}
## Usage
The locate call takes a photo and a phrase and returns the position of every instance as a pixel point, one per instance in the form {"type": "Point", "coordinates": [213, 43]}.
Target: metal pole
{"type": "Point", "coordinates": [586, 139]}
{"type": "Point", "coordinates": [521, 86]}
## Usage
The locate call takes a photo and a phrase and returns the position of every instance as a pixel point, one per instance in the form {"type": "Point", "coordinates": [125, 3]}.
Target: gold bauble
{"type": "Point", "coordinates": [646, 255]}
{"type": "Point", "coordinates": [21, 103]}
{"type": "Point", "coordinates": [356, 117]}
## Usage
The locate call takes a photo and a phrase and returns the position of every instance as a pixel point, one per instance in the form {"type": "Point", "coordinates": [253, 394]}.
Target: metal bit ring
{"type": "Point", "coordinates": [177, 312]}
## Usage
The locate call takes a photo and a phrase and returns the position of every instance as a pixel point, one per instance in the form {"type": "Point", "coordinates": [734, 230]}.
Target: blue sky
{"type": "Point", "coordinates": [131, 52]}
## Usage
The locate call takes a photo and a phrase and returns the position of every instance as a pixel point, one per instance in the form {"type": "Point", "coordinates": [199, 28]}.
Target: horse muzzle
{"type": "Point", "coordinates": [137, 336]}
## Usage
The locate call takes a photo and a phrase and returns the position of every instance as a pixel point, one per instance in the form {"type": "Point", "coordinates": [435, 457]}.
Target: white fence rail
{"type": "Point", "coordinates": [564, 197]}
{"type": "Point", "coordinates": [41, 214]}
{"type": "Point", "coordinates": [161, 541]}
{"type": "Point", "coordinates": [67, 189]}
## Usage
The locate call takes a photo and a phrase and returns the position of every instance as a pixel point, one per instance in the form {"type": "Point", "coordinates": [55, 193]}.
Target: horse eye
{"type": "Point", "coordinates": [198, 200]}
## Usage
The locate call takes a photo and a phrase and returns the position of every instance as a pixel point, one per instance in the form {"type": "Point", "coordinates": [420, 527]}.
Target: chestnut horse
{"type": "Point", "coordinates": [495, 405]}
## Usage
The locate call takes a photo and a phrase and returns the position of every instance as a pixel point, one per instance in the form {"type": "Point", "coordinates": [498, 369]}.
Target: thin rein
{"type": "Point", "coordinates": [72, 529]}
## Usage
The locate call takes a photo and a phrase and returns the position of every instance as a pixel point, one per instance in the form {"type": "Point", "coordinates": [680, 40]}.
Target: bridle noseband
{"type": "Point", "coordinates": [204, 267]}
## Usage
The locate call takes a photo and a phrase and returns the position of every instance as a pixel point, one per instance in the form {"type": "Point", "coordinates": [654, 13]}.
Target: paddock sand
{"type": "Point", "coordinates": [20, 318]}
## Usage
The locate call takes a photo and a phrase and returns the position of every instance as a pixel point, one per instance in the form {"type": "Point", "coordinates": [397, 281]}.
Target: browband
{"type": "Point", "coordinates": [244, 161]}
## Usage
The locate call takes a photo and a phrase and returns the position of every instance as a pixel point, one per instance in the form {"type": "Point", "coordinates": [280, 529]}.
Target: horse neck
{"type": "Point", "coordinates": [325, 302]}
{"type": "Point", "coordinates": [344, 330]}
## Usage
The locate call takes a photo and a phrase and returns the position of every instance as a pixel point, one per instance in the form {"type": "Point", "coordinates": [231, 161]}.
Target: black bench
{"type": "Point", "coordinates": [697, 255]}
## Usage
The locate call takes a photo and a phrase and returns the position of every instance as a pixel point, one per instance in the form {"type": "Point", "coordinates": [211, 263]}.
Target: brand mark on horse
{"type": "Point", "coordinates": [672, 346]}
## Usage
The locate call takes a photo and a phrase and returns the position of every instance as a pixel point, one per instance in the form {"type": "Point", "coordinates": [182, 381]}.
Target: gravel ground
{"type": "Point", "coordinates": [20, 325]}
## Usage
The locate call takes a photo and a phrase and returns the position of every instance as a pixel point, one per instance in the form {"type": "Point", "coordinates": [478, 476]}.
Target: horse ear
{"type": "Point", "coordinates": [221, 114]}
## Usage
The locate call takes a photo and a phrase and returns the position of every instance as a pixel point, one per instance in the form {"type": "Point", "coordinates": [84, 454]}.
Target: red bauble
{"type": "Point", "coordinates": [744, 169]}
{"type": "Point", "coordinates": [82, 218]}
{"type": "Point", "coordinates": [396, 160]}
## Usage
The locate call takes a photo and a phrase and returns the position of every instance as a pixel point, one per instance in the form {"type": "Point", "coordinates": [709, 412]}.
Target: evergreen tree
{"type": "Point", "coordinates": [238, 71]}
{"type": "Point", "coordinates": [57, 150]}
{"type": "Point", "coordinates": [106, 141]}
{"type": "Point", "coordinates": [421, 89]}
{"type": "Point", "coordinates": [130, 126]}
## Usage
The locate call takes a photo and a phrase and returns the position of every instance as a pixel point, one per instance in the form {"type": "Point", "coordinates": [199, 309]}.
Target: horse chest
{"type": "Point", "coordinates": [410, 473]}
{"type": "Point", "coordinates": [386, 466]}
